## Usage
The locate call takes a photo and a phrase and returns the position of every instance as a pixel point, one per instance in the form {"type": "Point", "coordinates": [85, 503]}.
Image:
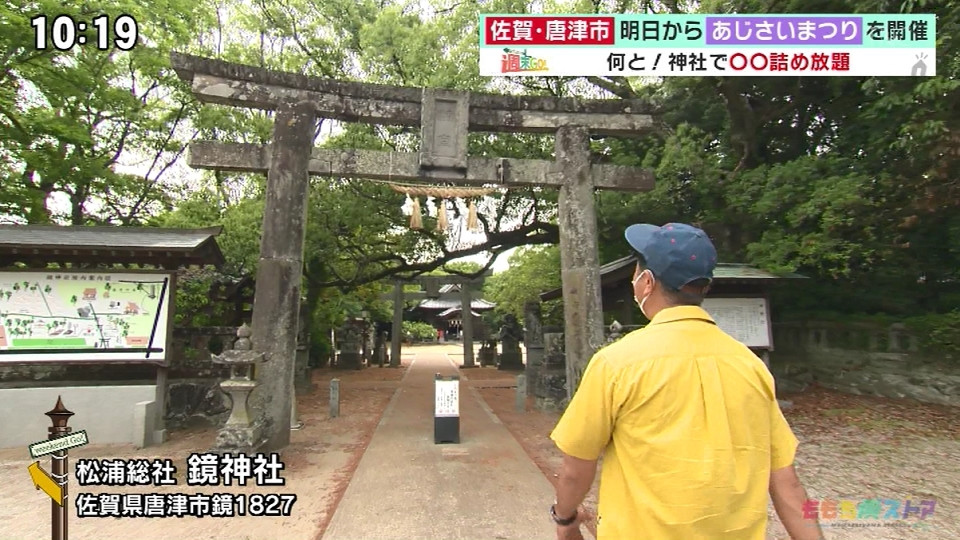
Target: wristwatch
{"type": "Point", "coordinates": [558, 520]}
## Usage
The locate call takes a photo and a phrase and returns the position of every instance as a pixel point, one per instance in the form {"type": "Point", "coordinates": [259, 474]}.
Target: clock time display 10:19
{"type": "Point", "coordinates": [64, 32]}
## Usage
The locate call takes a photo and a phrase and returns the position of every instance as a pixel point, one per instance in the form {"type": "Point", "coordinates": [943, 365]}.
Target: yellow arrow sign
{"type": "Point", "coordinates": [43, 481]}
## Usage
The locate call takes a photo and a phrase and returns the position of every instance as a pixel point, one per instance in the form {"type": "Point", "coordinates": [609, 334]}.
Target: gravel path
{"type": "Point", "coordinates": [851, 448]}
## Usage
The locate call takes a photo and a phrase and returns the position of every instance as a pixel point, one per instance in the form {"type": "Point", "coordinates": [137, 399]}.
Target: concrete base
{"type": "Point", "coordinates": [109, 414]}
{"type": "Point", "coordinates": [145, 432]}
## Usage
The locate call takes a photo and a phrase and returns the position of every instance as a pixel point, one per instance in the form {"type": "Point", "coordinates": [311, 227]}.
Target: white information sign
{"type": "Point", "coordinates": [76, 316]}
{"type": "Point", "coordinates": [447, 398]}
{"type": "Point", "coordinates": [65, 442]}
{"type": "Point", "coordinates": [746, 319]}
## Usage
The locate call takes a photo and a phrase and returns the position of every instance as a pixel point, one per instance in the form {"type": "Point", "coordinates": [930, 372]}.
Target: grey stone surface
{"type": "Point", "coordinates": [301, 372]}
{"type": "Point", "coordinates": [334, 398]}
{"type": "Point", "coordinates": [466, 318]}
{"type": "Point", "coordinates": [532, 343]}
{"type": "Point", "coordinates": [247, 440]}
{"type": "Point", "coordinates": [196, 403]}
{"type": "Point", "coordinates": [579, 257]}
{"type": "Point", "coordinates": [444, 118]}
{"type": "Point", "coordinates": [276, 305]}
{"type": "Point", "coordinates": [380, 348]}
{"type": "Point", "coordinates": [511, 357]}
{"type": "Point", "coordinates": [242, 431]}
{"type": "Point", "coordinates": [226, 91]}
{"type": "Point", "coordinates": [552, 389]}
{"type": "Point", "coordinates": [550, 386]}
{"type": "Point", "coordinates": [106, 412]}
{"type": "Point", "coordinates": [396, 332]}
{"type": "Point", "coordinates": [216, 81]}
{"type": "Point", "coordinates": [350, 342]}
{"type": "Point", "coordinates": [850, 359]}
{"type": "Point", "coordinates": [488, 353]}
{"type": "Point", "coordinates": [144, 423]}
{"type": "Point", "coordinates": [405, 166]}
{"type": "Point", "coordinates": [187, 66]}
{"type": "Point", "coordinates": [521, 395]}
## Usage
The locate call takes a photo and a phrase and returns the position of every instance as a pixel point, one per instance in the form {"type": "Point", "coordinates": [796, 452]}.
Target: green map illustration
{"type": "Point", "coordinates": [66, 311]}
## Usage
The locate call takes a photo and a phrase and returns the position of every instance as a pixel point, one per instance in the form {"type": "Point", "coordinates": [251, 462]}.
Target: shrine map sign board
{"type": "Point", "coordinates": [74, 316]}
{"type": "Point", "coordinates": [746, 319]}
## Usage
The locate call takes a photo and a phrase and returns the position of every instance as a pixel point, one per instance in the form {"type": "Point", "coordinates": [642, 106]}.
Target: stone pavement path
{"type": "Point", "coordinates": [407, 487]}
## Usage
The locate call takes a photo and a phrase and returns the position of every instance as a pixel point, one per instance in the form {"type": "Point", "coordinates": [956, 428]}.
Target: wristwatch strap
{"type": "Point", "coordinates": [560, 521]}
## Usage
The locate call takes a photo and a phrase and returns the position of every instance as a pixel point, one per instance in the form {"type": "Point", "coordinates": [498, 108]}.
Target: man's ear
{"type": "Point", "coordinates": [653, 283]}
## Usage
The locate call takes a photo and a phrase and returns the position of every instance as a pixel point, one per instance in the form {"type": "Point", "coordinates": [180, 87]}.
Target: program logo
{"type": "Point", "coordinates": [516, 61]}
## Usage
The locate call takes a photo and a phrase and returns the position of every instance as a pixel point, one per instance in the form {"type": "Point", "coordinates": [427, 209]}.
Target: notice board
{"type": "Point", "coordinates": [746, 319]}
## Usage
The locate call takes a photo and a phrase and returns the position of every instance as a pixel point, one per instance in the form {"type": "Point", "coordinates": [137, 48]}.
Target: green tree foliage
{"type": "Point", "coordinates": [532, 270]}
{"type": "Point", "coordinates": [850, 180]}
{"type": "Point", "coordinates": [68, 118]}
{"type": "Point", "coordinates": [419, 331]}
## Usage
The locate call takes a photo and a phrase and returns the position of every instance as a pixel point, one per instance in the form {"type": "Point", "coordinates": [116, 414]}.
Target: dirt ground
{"type": "Point", "coordinates": [851, 448]}
{"type": "Point", "coordinates": [318, 465]}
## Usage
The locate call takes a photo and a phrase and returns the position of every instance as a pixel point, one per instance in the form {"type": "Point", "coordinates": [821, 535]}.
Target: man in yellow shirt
{"type": "Point", "coordinates": [686, 417]}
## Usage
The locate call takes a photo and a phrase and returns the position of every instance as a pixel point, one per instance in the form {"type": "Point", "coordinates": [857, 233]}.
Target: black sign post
{"type": "Point", "coordinates": [446, 412]}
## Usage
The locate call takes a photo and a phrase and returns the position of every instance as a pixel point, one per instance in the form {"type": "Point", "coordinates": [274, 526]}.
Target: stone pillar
{"type": "Point", "coordinates": [466, 314]}
{"type": "Point", "coordinates": [510, 335]}
{"type": "Point", "coordinates": [367, 347]}
{"type": "Point", "coordinates": [301, 375]}
{"type": "Point", "coordinates": [550, 390]}
{"type": "Point", "coordinates": [276, 303]}
{"type": "Point", "coordinates": [488, 353]}
{"type": "Point", "coordinates": [533, 343]}
{"type": "Point", "coordinates": [351, 344]}
{"type": "Point", "coordinates": [579, 258]}
{"type": "Point", "coordinates": [380, 348]}
{"type": "Point", "coordinates": [396, 332]}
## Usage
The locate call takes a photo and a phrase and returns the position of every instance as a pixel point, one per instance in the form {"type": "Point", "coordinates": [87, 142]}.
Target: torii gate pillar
{"type": "Point", "coordinates": [579, 257]}
{"type": "Point", "coordinates": [276, 301]}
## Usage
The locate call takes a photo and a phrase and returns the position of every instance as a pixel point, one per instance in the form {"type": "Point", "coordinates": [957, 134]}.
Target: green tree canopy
{"type": "Point", "coordinates": [850, 180]}
{"type": "Point", "coordinates": [533, 270]}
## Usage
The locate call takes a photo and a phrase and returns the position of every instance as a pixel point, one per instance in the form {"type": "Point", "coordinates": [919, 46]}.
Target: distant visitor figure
{"type": "Point", "coordinates": [686, 417]}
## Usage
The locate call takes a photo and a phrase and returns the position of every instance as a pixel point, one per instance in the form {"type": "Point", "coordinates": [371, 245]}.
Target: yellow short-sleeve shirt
{"type": "Point", "coordinates": [689, 427]}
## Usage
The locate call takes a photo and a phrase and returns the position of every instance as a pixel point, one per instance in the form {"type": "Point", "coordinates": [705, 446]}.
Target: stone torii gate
{"type": "Point", "coordinates": [431, 289]}
{"type": "Point", "coordinates": [445, 117]}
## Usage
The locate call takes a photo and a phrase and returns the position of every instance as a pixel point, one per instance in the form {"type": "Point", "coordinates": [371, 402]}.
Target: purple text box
{"type": "Point", "coordinates": [784, 30]}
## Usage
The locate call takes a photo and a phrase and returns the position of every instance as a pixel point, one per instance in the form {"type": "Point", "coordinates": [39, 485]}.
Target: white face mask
{"type": "Point", "coordinates": [644, 299]}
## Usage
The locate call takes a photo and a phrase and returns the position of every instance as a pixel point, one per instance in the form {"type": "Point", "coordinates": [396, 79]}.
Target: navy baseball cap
{"type": "Point", "coordinates": [676, 253]}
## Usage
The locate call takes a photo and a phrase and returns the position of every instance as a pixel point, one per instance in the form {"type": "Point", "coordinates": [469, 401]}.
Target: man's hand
{"type": "Point", "coordinates": [572, 531]}
{"type": "Point", "coordinates": [569, 532]}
